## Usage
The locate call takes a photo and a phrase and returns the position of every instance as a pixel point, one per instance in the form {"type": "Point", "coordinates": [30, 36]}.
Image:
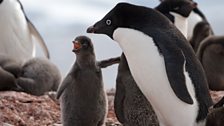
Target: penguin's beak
{"type": "Point", "coordinates": [76, 46]}
{"type": "Point", "coordinates": [194, 4]}
{"type": "Point", "coordinates": [91, 29]}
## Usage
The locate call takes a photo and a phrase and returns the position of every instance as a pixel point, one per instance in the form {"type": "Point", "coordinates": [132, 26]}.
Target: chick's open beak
{"type": "Point", "coordinates": [76, 46]}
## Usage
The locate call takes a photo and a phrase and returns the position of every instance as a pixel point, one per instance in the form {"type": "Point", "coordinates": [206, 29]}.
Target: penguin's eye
{"type": "Point", "coordinates": [176, 8]}
{"type": "Point", "coordinates": [108, 22]}
{"type": "Point", "coordinates": [85, 45]}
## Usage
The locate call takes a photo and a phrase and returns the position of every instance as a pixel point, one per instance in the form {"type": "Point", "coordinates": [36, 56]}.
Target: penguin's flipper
{"type": "Point", "coordinates": [108, 62]}
{"type": "Point", "coordinates": [38, 37]}
{"type": "Point", "coordinates": [175, 68]}
{"type": "Point", "coordinates": [63, 86]}
{"type": "Point", "coordinates": [119, 100]}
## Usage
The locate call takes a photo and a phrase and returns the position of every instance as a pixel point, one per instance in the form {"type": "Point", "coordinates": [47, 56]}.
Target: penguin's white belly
{"type": "Point", "coordinates": [148, 69]}
{"type": "Point", "coordinates": [15, 37]}
{"type": "Point", "coordinates": [193, 19]}
{"type": "Point", "coordinates": [181, 23]}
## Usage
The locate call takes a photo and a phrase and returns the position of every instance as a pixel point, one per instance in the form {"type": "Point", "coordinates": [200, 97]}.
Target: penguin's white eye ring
{"type": "Point", "coordinates": [108, 22]}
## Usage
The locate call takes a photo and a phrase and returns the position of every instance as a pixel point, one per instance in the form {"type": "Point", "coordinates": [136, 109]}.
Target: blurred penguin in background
{"type": "Point", "coordinates": [211, 55]}
{"type": "Point", "coordinates": [201, 31]}
{"type": "Point", "coordinates": [178, 12]}
{"type": "Point", "coordinates": [195, 17]}
{"type": "Point", "coordinates": [17, 32]}
{"type": "Point", "coordinates": [39, 76]}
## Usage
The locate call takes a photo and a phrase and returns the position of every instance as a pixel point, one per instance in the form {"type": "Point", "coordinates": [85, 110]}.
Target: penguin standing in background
{"type": "Point", "coordinates": [161, 62]}
{"type": "Point", "coordinates": [201, 31]}
{"type": "Point", "coordinates": [195, 17]}
{"type": "Point", "coordinates": [131, 106]}
{"type": "Point", "coordinates": [82, 96]}
{"type": "Point", "coordinates": [178, 12]}
{"type": "Point", "coordinates": [211, 55]}
{"type": "Point", "coordinates": [10, 69]}
{"type": "Point", "coordinates": [17, 32]}
{"type": "Point", "coordinates": [38, 76]}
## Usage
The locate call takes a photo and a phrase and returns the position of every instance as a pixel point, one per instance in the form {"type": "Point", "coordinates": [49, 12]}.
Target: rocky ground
{"type": "Point", "coordinates": [21, 109]}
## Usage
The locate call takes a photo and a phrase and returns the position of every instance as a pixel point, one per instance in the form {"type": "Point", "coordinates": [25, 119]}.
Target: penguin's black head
{"type": "Point", "coordinates": [83, 45]}
{"type": "Point", "coordinates": [125, 15]}
{"type": "Point", "coordinates": [107, 25]}
{"type": "Point", "coordinates": [1, 1]}
{"type": "Point", "coordinates": [182, 7]}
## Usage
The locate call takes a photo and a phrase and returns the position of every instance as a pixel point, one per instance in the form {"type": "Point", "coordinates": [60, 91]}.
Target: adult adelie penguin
{"type": "Point", "coordinates": [211, 55]}
{"type": "Point", "coordinates": [178, 12]}
{"type": "Point", "coordinates": [82, 95]}
{"type": "Point", "coordinates": [161, 61]}
{"type": "Point", "coordinates": [131, 106]}
{"type": "Point", "coordinates": [195, 17]}
{"type": "Point", "coordinates": [17, 32]}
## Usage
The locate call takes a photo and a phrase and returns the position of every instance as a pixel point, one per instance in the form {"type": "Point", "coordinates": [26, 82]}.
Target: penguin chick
{"type": "Point", "coordinates": [131, 106]}
{"type": "Point", "coordinates": [82, 96]}
{"type": "Point", "coordinates": [211, 55]}
{"type": "Point", "coordinates": [38, 76]}
{"type": "Point", "coordinates": [201, 31]}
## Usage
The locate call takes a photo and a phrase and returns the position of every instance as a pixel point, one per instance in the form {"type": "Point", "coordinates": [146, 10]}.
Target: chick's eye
{"type": "Point", "coordinates": [176, 8]}
{"type": "Point", "coordinates": [108, 22]}
{"type": "Point", "coordinates": [85, 45]}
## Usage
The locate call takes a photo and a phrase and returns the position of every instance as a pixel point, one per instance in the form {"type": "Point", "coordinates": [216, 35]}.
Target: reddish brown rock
{"type": "Point", "coordinates": [21, 109]}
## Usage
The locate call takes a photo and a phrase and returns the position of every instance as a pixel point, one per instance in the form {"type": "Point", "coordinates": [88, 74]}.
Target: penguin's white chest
{"type": "Point", "coordinates": [181, 23]}
{"type": "Point", "coordinates": [193, 20]}
{"type": "Point", "coordinates": [148, 69]}
{"type": "Point", "coordinates": [15, 37]}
